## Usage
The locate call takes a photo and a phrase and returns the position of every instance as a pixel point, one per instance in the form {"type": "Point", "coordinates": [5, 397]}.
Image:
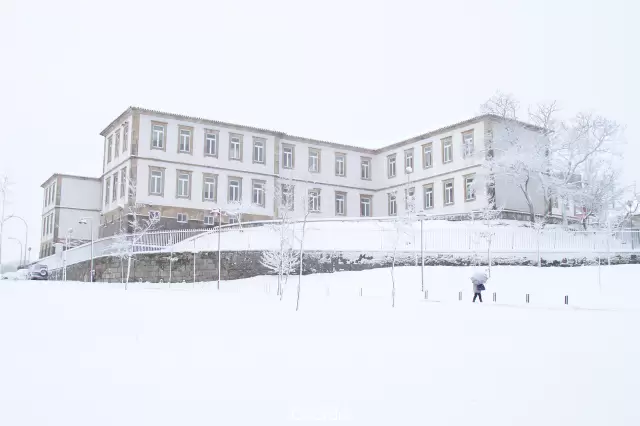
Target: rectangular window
{"type": "Point", "coordinates": [156, 181]}
{"type": "Point", "coordinates": [125, 137]}
{"type": "Point", "coordinates": [391, 166]}
{"type": "Point", "coordinates": [365, 205]}
{"type": "Point", "coordinates": [184, 142]}
{"type": "Point", "coordinates": [341, 201]}
{"type": "Point", "coordinates": [209, 220]}
{"type": "Point", "coordinates": [287, 198]}
{"type": "Point", "coordinates": [209, 188]}
{"type": "Point", "coordinates": [469, 188]}
{"type": "Point", "coordinates": [365, 168]}
{"type": "Point", "coordinates": [554, 203]}
{"type": "Point", "coordinates": [467, 144]}
{"type": "Point", "coordinates": [314, 200]}
{"type": "Point", "coordinates": [235, 190]}
{"type": "Point", "coordinates": [114, 195]}
{"type": "Point", "coordinates": [52, 194]}
{"type": "Point", "coordinates": [448, 192]}
{"type": "Point", "coordinates": [107, 191]}
{"type": "Point", "coordinates": [259, 150]}
{"type": "Point", "coordinates": [392, 204]}
{"type": "Point", "coordinates": [258, 192]}
{"type": "Point", "coordinates": [447, 150]}
{"type": "Point", "coordinates": [341, 164]}
{"type": "Point", "coordinates": [235, 147]}
{"type": "Point", "coordinates": [109, 146]}
{"type": "Point", "coordinates": [183, 184]}
{"type": "Point", "coordinates": [427, 155]}
{"type": "Point", "coordinates": [44, 226]}
{"type": "Point", "coordinates": [410, 199]}
{"type": "Point", "coordinates": [123, 181]}
{"type": "Point", "coordinates": [154, 215]}
{"type": "Point", "coordinates": [116, 148]}
{"type": "Point", "coordinates": [288, 156]}
{"type": "Point", "coordinates": [182, 218]}
{"type": "Point", "coordinates": [314, 160]}
{"type": "Point", "coordinates": [428, 196]}
{"type": "Point", "coordinates": [408, 160]}
{"type": "Point", "coordinates": [158, 134]}
{"type": "Point", "coordinates": [211, 143]}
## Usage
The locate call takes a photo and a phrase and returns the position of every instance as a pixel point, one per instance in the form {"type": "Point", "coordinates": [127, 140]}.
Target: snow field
{"type": "Point", "coordinates": [79, 354]}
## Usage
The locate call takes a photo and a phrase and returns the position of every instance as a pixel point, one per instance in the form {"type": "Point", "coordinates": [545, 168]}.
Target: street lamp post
{"type": "Point", "coordinates": [421, 215]}
{"type": "Point", "coordinates": [219, 211]}
{"type": "Point", "coordinates": [85, 221]}
{"type": "Point", "coordinates": [67, 241]}
{"type": "Point", "coordinates": [23, 253]}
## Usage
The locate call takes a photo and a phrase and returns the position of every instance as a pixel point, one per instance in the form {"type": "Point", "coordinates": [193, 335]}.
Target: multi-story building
{"type": "Point", "coordinates": [184, 167]}
{"type": "Point", "coordinates": [68, 199]}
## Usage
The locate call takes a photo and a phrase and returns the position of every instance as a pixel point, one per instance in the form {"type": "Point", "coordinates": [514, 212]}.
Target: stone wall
{"type": "Point", "coordinates": [245, 264]}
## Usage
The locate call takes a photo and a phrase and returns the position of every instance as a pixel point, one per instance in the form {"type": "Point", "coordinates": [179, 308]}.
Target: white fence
{"type": "Point", "coordinates": [371, 235]}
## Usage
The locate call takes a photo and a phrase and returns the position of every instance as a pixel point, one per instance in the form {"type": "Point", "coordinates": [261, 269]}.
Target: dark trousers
{"type": "Point", "coordinates": [478, 295]}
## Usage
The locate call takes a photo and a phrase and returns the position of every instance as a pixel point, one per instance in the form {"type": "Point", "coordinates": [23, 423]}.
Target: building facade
{"type": "Point", "coordinates": [179, 169]}
{"type": "Point", "coordinates": [66, 200]}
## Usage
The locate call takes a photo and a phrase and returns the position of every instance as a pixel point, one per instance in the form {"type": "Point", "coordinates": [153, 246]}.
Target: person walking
{"type": "Point", "coordinates": [478, 280]}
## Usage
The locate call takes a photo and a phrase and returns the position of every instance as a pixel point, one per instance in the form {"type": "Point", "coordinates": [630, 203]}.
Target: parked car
{"type": "Point", "coordinates": [38, 271]}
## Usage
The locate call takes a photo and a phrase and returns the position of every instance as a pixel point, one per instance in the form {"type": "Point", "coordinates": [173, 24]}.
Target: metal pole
{"type": "Point", "coordinates": [91, 271]}
{"type": "Point", "coordinates": [422, 254]}
{"type": "Point", "coordinates": [194, 262]}
{"type": "Point", "coordinates": [219, 235]}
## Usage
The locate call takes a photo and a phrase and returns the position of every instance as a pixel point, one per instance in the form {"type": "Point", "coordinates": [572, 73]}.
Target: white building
{"type": "Point", "coordinates": [186, 166]}
{"type": "Point", "coordinates": [68, 199]}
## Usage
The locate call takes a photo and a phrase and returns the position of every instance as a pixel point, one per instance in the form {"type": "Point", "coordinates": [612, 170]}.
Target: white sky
{"type": "Point", "coordinates": [358, 72]}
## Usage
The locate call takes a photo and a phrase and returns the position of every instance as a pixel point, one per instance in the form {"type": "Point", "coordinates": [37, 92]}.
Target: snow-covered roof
{"type": "Point", "coordinates": [55, 175]}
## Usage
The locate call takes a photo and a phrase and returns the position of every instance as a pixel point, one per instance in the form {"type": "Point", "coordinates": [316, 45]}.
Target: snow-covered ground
{"type": "Point", "coordinates": [83, 354]}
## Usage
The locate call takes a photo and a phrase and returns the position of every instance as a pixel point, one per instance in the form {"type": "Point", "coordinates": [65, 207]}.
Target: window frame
{"type": "Point", "coordinates": [466, 187]}
{"type": "Point", "coordinates": [186, 216]}
{"type": "Point", "coordinates": [409, 154]}
{"type": "Point", "coordinates": [406, 198]}
{"type": "Point", "coordinates": [206, 176]}
{"type": "Point", "coordinates": [444, 192]}
{"type": "Point", "coordinates": [114, 189]}
{"type": "Point", "coordinates": [317, 153]}
{"type": "Point", "coordinates": [160, 170]}
{"type": "Point", "coordinates": [429, 187]}
{"type": "Point", "coordinates": [163, 125]}
{"type": "Point", "coordinates": [291, 190]}
{"type": "Point", "coordinates": [367, 161]}
{"type": "Point", "coordinates": [257, 141]}
{"type": "Point", "coordinates": [234, 179]}
{"type": "Point", "coordinates": [123, 181]}
{"type": "Point", "coordinates": [369, 204]}
{"type": "Point", "coordinates": [206, 222]}
{"type": "Point", "coordinates": [344, 203]}
{"type": "Point", "coordinates": [293, 156]}
{"type": "Point", "coordinates": [125, 136]}
{"type": "Point", "coordinates": [466, 154]}
{"type": "Point", "coordinates": [238, 136]}
{"type": "Point", "coordinates": [154, 213]}
{"type": "Point", "coordinates": [313, 198]}
{"type": "Point", "coordinates": [262, 184]}
{"type": "Point", "coordinates": [391, 157]}
{"type": "Point", "coordinates": [216, 135]}
{"type": "Point", "coordinates": [341, 156]}
{"type": "Point", "coordinates": [107, 190]}
{"type": "Point", "coordinates": [447, 142]}
{"type": "Point", "coordinates": [189, 180]}
{"type": "Point", "coordinates": [189, 131]}
{"type": "Point", "coordinates": [427, 146]}
{"type": "Point", "coordinates": [116, 146]}
{"type": "Point", "coordinates": [392, 204]}
{"type": "Point", "coordinates": [109, 148]}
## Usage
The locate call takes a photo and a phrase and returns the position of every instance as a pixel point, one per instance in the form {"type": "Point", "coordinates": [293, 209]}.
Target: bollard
{"type": "Point", "coordinates": [494, 297]}
{"type": "Point", "coordinates": [360, 291]}
{"type": "Point", "coordinates": [527, 298]}
{"type": "Point", "coordinates": [566, 300]}
{"type": "Point", "coordinates": [426, 294]}
{"type": "Point", "coordinates": [459, 295]}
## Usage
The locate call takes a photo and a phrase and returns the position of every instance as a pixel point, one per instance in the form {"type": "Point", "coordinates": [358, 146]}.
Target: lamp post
{"type": "Point", "coordinates": [219, 211]}
{"type": "Point", "coordinates": [67, 241]}
{"type": "Point", "coordinates": [421, 215]}
{"type": "Point", "coordinates": [21, 246]}
{"type": "Point", "coordinates": [26, 234]}
{"type": "Point", "coordinates": [85, 221]}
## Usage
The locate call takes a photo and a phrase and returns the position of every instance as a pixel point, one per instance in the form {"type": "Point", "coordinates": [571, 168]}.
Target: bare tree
{"type": "Point", "coordinates": [403, 226]}
{"type": "Point", "coordinates": [310, 201]}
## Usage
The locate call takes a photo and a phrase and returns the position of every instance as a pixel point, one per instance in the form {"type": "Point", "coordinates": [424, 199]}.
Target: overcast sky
{"type": "Point", "coordinates": [357, 72]}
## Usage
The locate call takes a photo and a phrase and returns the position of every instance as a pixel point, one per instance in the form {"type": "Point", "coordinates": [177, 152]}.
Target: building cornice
{"type": "Point", "coordinates": [62, 175]}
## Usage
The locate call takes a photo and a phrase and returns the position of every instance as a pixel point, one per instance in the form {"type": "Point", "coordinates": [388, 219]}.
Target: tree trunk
{"type": "Point", "coordinates": [304, 225]}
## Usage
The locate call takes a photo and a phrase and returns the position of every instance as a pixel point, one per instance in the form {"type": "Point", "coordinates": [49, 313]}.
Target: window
{"type": "Point", "coordinates": [408, 160]}
{"type": "Point", "coordinates": [52, 194]}
{"type": "Point", "coordinates": [314, 200]}
{"type": "Point", "coordinates": [365, 205]}
{"type": "Point", "coordinates": [107, 190]}
{"type": "Point", "coordinates": [116, 148]}
{"type": "Point", "coordinates": [392, 204]}
{"type": "Point", "coordinates": [467, 144]}
{"type": "Point", "coordinates": [235, 147]}
{"type": "Point", "coordinates": [287, 198]}
{"type": "Point", "coordinates": [258, 192]}
{"type": "Point", "coordinates": [428, 196]}
{"type": "Point", "coordinates": [314, 160]}
{"type": "Point", "coordinates": [288, 156]}
{"type": "Point", "coordinates": [184, 143]}
{"type": "Point", "coordinates": [209, 189]}
{"type": "Point", "coordinates": [469, 188]}
{"type": "Point", "coordinates": [391, 166]}
{"type": "Point", "coordinates": [182, 218]}
{"type": "Point", "coordinates": [448, 192]}
{"type": "Point", "coordinates": [365, 168]}
{"type": "Point", "coordinates": [183, 187]}
{"type": "Point", "coordinates": [156, 181]}
{"type": "Point", "coordinates": [410, 199]}
{"type": "Point", "coordinates": [447, 150]}
{"type": "Point", "coordinates": [258, 150]}
{"type": "Point", "coordinates": [123, 181]}
{"type": "Point", "coordinates": [44, 227]}
{"type": "Point", "coordinates": [341, 164]}
{"type": "Point", "coordinates": [235, 190]}
{"type": "Point", "coordinates": [109, 145]}
{"type": "Point", "coordinates": [125, 137]}
{"type": "Point", "coordinates": [554, 202]}
{"type": "Point", "coordinates": [114, 195]}
{"type": "Point", "coordinates": [154, 215]}
{"type": "Point", "coordinates": [427, 155]}
{"type": "Point", "coordinates": [209, 220]}
{"type": "Point", "coordinates": [341, 201]}
{"type": "Point", "coordinates": [211, 143]}
{"type": "Point", "coordinates": [158, 132]}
